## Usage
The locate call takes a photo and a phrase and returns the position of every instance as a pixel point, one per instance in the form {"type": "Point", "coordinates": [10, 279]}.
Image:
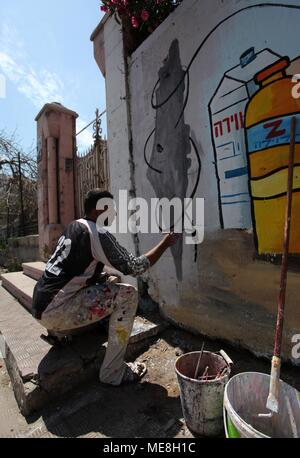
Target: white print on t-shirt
{"type": "Point", "coordinates": [62, 252]}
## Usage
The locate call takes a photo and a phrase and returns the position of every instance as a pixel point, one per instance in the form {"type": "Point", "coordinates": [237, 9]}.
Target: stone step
{"type": "Point", "coordinates": [40, 373]}
{"type": "Point", "coordinates": [20, 286]}
{"type": "Point", "coordinates": [33, 269]}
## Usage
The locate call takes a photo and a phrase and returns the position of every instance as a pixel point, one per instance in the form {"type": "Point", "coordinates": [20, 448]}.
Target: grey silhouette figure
{"type": "Point", "coordinates": [169, 162]}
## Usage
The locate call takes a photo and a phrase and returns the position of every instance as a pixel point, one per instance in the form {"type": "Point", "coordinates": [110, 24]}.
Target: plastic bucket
{"type": "Point", "coordinates": [246, 396]}
{"type": "Point", "coordinates": [202, 401]}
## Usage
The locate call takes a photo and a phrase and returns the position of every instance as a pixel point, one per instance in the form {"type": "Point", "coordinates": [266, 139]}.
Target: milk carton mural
{"type": "Point", "coordinates": [227, 110]}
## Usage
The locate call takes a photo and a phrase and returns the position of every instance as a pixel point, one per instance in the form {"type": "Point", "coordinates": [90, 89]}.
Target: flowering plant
{"type": "Point", "coordinates": [143, 15]}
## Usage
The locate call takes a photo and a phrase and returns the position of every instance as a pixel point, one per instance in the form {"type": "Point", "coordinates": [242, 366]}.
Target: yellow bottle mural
{"type": "Point", "coordinates": [268, 126]}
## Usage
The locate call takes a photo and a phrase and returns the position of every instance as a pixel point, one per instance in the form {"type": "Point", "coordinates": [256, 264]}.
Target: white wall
{"type": "Point", "coordinates": [117, 118]}
{"type": "Point", "coordinates": [226, 291]}
{"type": "Point", "coordinates": [217, 294]}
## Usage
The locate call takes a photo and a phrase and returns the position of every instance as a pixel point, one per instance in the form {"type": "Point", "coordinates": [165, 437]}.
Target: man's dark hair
{"type": "Point", "coordinates": [92, 197]}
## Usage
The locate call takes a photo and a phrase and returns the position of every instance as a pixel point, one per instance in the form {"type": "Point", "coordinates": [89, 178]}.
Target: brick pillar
{"type": "Point", "coordinates": [56, 134]}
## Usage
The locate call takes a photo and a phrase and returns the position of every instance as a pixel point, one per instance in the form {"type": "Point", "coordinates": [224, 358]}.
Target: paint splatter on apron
{"type": "Point", "coordinates": [92, 304]}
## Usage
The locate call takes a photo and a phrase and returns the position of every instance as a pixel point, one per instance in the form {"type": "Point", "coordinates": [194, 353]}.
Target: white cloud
{"type": "Point", "coordinates": [39, 85]}
{"type": "Point", "coordinates": [85, 139]}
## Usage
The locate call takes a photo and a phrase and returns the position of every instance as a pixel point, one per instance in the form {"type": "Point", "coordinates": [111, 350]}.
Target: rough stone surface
{"type": "Point", "coordinates": [149, 409]}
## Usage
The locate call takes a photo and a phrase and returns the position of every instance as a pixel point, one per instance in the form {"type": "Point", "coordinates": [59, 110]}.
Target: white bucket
{"type": "Point", "coordinates": [246, 396]}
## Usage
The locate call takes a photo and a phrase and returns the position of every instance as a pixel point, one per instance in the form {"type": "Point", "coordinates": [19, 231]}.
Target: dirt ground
{"type": "Point", "coordinates": [150, 409]}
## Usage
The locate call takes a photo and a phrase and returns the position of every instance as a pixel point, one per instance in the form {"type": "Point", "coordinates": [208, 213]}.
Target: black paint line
{"type": "Point", "coordinates": [236, 79]}
{"type": "Point", "coordinates": [233, 90]}
{"type": "Point", "coordinates": [216, 91]}
{"type": "Point", "coordinates": [286, 76]}
{"type": "Point", "coordinates": [282, 194]}
{"type": "Point", "coordinates": [273, 172]}
{"type": "Point", "coordinates": [270, 66]}
{"type": "Point", "coordinates": [199, 168]}
{"type": "Point", "coordinates": [255, 235]}
{"type": "Point", "coordinates": [185, 101]}
{"type": "Point", "coordinates": [270, 51]}
{"type": "Point", "coordinates": [216, 166]}
{"type": "Point", "coordinates": [259, 5]}
{"type": "Point", "coordinates": [145, 152]}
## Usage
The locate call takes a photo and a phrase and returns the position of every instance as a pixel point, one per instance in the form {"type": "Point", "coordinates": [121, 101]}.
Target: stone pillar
{"type": "Point", "coordinates": [56, 134]}
{"type": "Point", "coordinates": [52, 180]}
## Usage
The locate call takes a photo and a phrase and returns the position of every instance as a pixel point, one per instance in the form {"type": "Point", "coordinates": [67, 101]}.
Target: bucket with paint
{"type": "Point", "coordinates": [245, 398]}
{"type": "Point", "coordinates": [202, 400]}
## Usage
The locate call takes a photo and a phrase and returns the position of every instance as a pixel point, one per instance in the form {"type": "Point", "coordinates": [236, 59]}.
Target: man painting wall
{"type": "Point", "coordinates": [73, 292]}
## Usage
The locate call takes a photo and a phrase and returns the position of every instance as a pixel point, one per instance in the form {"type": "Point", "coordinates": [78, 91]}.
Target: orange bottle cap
{"type": "Point", "coordinates": [278, 66]}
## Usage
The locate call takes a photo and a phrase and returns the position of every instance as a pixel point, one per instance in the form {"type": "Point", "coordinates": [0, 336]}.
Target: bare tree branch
{"type": "Point", "coordinates": [14, 180]}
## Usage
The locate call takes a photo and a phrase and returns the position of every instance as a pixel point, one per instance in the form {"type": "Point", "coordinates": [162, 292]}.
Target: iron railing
{"type": "Point", "coordinates": [19, 230]}
{"type": "Point", "coordinates": [92, 167]}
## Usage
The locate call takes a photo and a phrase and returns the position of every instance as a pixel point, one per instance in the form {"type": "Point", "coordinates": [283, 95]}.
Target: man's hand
{"type": "Point", "coordinates": [156, 252]}
{"type": "Point", "coordinates": [114, 279]}
{"type": "Point", "coordinates": [172, 238]}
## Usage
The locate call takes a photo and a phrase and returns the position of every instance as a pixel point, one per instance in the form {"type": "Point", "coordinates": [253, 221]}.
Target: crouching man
{"type": "Point", "coordinates": [69, 295]}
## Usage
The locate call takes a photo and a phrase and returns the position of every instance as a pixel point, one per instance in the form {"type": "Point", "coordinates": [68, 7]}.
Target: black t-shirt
{"type": "Point", "coordinates": [79, 257]}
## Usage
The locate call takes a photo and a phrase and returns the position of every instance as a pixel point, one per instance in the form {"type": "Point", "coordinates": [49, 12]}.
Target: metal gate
{"type": "Point", "coordinates": [91, 167]}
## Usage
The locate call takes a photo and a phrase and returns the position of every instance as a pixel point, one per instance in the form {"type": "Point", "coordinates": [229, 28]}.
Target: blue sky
{"type": "Point", "coordinates": [46, 55]}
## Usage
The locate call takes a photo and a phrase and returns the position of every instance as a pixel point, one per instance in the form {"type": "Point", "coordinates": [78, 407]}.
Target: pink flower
{"type": "Point", "coordinates": [104, 8]}
{"type": "Point", "coordinates": [121, 10]}
{"type": "Point", "coordinates": [125, 2]}
{"type": "Point", "coordinates": [145, 15]}
{"type": "Point", "coordinates": [135, 23]}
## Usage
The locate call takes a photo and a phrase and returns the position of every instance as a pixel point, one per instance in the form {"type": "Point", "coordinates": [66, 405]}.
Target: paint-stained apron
{"type": "Point", "coordinates": [92, 304]}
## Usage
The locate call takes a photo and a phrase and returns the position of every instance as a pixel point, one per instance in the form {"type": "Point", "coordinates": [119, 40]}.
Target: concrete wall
{"type": "Point", "coordinates": [226, 287]}
{"type": "Point", "coordinates": [24, 249]}
{"type": "Point", "coordinates": [109, 54]}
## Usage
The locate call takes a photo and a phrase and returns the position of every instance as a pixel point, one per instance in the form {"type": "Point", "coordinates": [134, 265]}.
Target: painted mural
{"type": "Point", "coordinates": [250, 111]}
{"type": "Point", "coordinates": [227, 114]}
{"type": "Point", "coordinates": [268, 135]}
{"type": "Point", "coordinates": [251, 114]}
{"type": "Point", "coordinates": [172, 143]}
